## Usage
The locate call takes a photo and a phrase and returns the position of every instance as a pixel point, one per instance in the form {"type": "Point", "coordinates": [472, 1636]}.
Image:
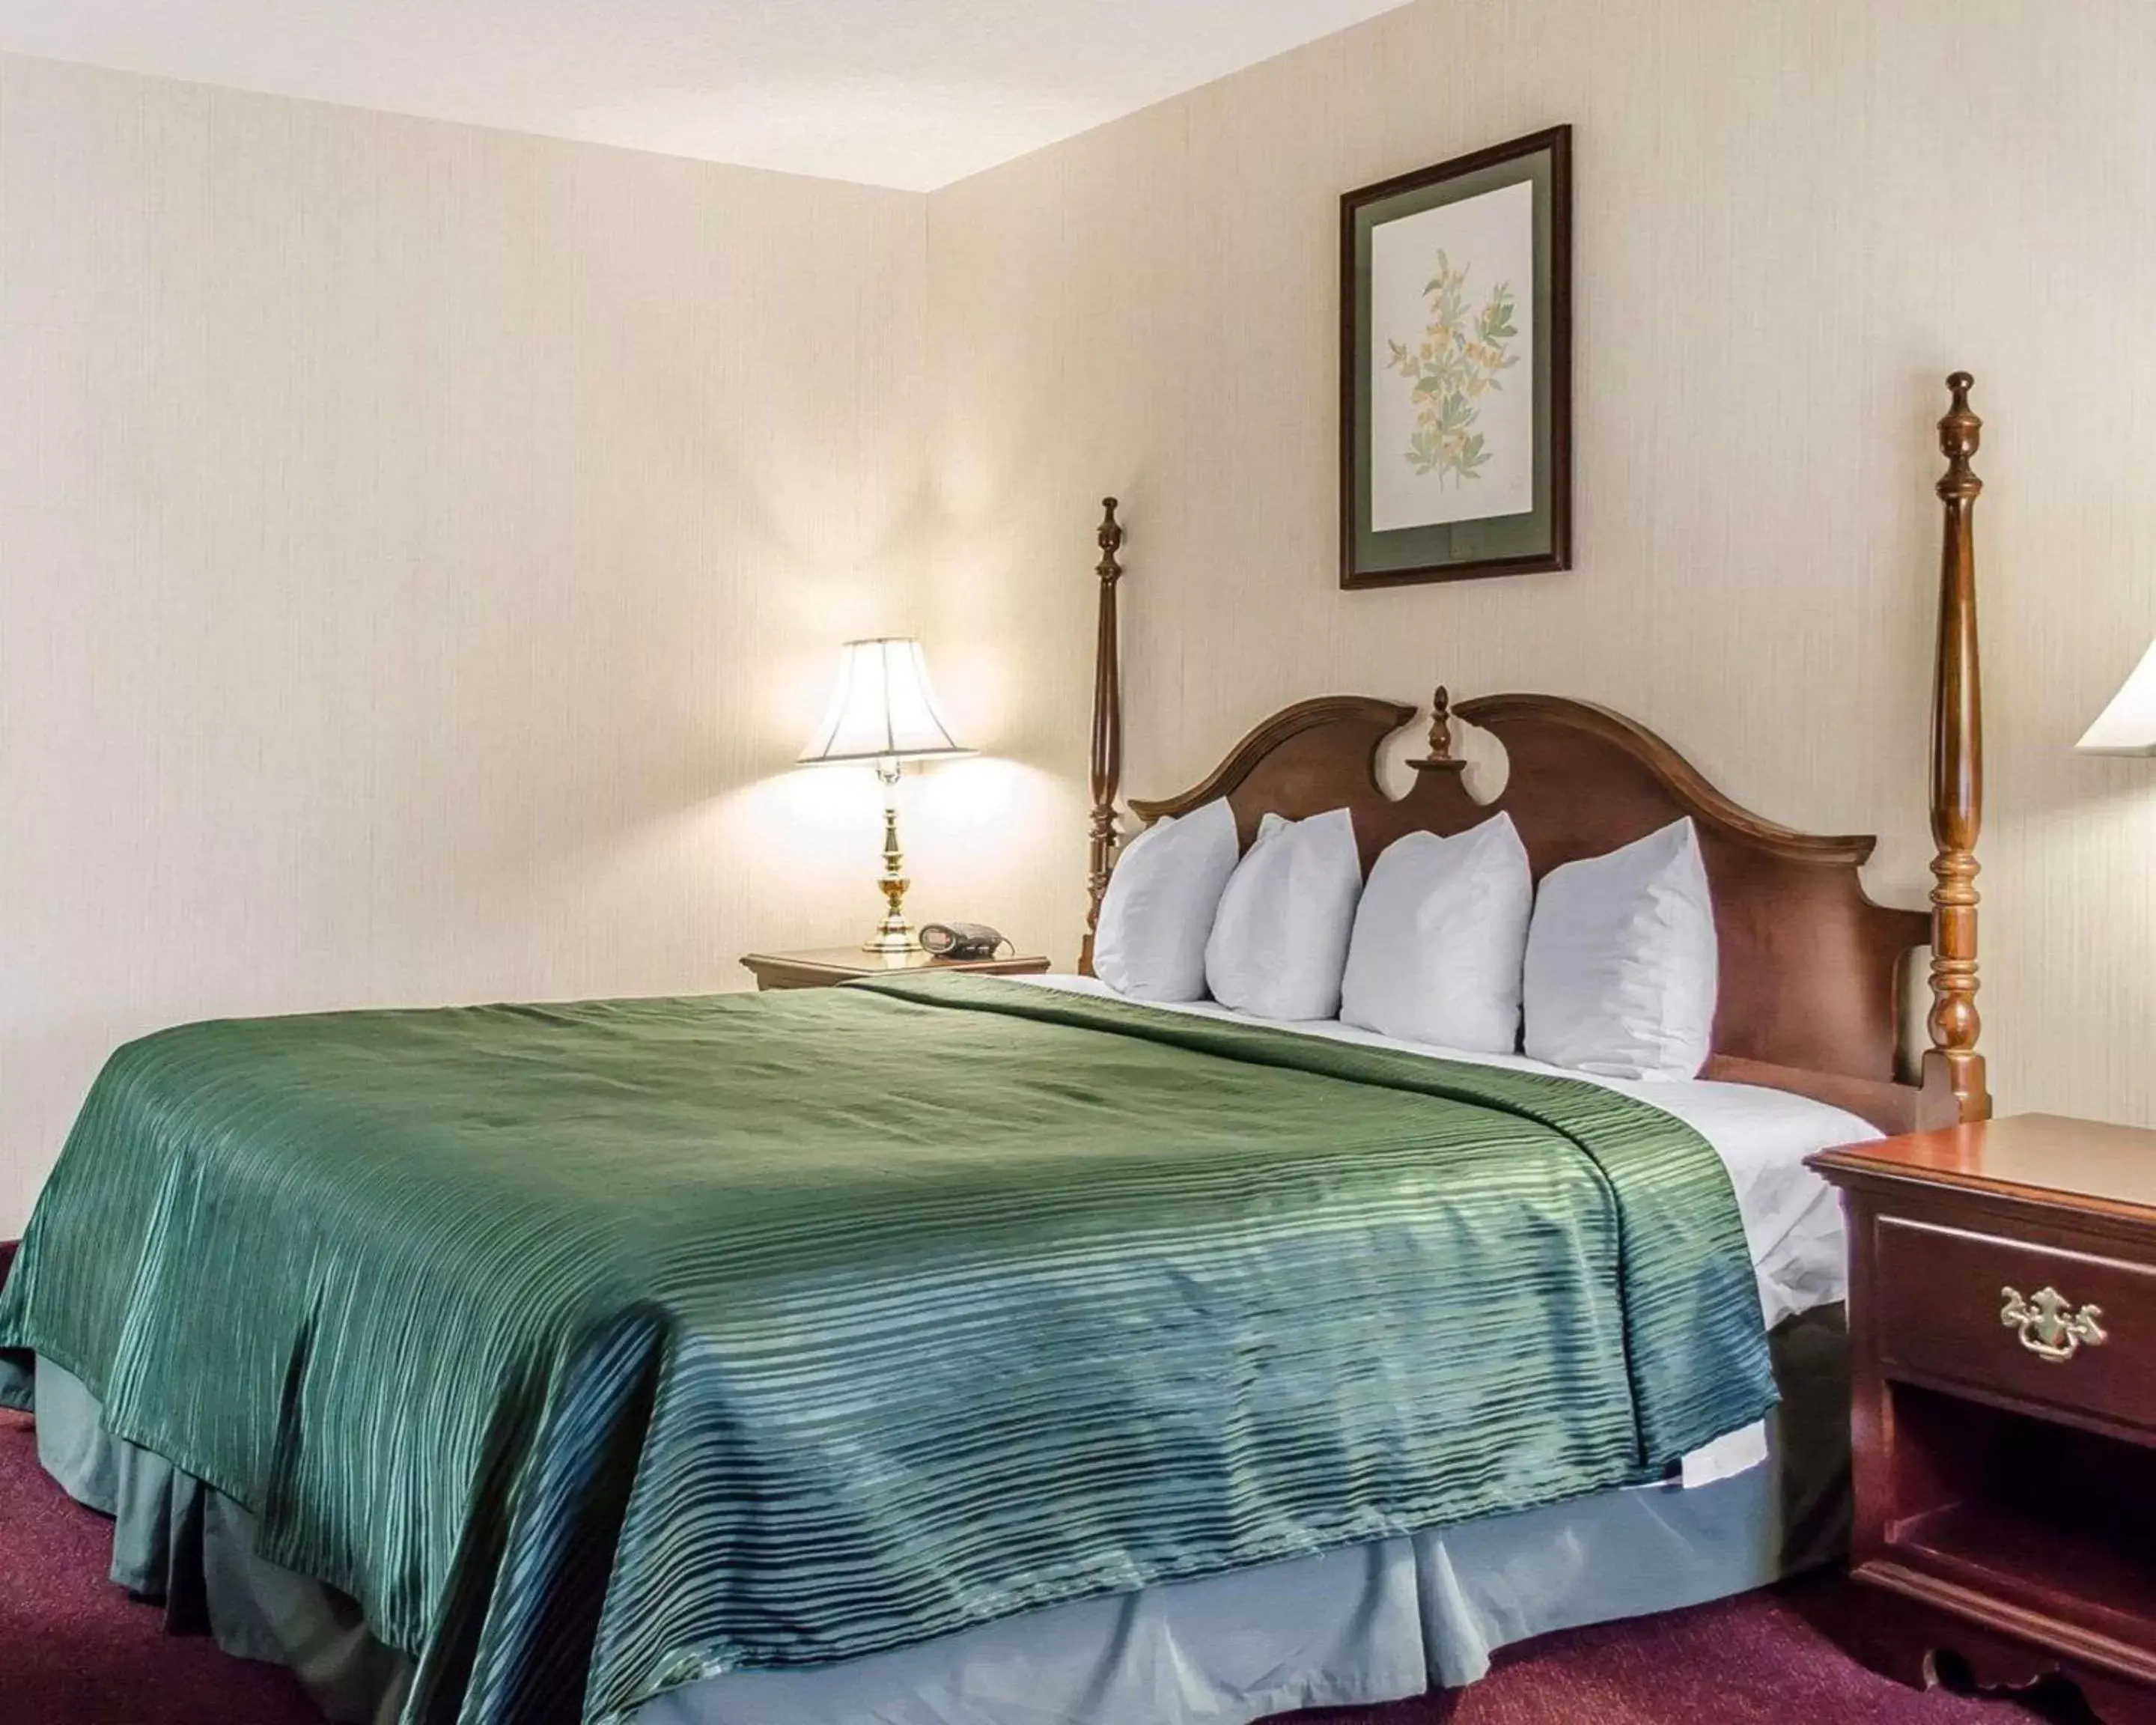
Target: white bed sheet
{"type": "Point", "coordinates": [1792, 1218]}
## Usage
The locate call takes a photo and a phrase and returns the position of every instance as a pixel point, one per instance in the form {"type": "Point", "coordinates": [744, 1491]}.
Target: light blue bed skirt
{"type": "Point", "coordinates": [1365, 1624]}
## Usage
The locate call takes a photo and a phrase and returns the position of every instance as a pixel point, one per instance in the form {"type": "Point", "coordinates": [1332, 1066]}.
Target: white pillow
{"type": "Point", "coordinates": [1440, 937]}
{"type": "Point", "coordinates": [1622, 961]}
{"type": "Point", "coordinates": [1150, 941]}
{"type": "Point", "coordinates": [1280, 942]}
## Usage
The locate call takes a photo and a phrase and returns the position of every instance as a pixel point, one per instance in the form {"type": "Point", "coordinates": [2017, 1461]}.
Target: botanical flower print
{"type": "Point", "coordinates": [1456, 362]}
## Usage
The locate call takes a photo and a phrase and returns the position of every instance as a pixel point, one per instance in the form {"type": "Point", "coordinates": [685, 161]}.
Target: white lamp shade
{"type": "Point", "coordinates": [2127, 727]}
{"type": "Point", "coordinates": [882, 709]}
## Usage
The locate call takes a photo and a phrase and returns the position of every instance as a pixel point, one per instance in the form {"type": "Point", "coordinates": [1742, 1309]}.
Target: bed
{"type": "Point", "coordinates": [960, 1349]}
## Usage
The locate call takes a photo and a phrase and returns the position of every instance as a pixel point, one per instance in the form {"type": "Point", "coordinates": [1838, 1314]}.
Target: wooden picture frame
{"type": "Point", "coordinates": [1455, 434]}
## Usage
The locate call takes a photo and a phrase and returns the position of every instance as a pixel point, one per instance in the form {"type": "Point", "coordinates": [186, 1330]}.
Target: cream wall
{"type": "Point", "coordinates": [422, 552]}
{"type": "Point", "coordinates": [421, 548]}
{"type": "Point", "coordinates": [1790, 221]}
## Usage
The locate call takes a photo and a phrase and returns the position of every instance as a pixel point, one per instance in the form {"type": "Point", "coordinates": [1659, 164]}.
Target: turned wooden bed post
{"type": "Point", "coordinates": [1107, 766]}
{"type": "Point", "coordinates": [1951, 1063]}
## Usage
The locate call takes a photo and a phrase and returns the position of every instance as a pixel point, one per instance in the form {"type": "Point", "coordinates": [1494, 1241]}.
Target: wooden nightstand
{"type": "Point", "coordinates": [2002, 1313]}
{"type": "Point", "coordinates": [824, 967]}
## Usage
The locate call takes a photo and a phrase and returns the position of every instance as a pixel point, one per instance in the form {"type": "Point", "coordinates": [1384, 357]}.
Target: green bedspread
{"type": "Point", "coordinates": [599, 1347]}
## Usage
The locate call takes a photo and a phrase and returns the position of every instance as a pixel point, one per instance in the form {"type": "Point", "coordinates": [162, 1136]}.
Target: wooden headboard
{"type": "Point", "coordinates": [1811, 968]}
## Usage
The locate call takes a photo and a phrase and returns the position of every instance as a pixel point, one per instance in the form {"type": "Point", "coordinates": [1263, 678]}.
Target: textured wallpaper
{"type": "Point", "coordinates": [423, 551]}
{"type": "Point", "coordinates": [1790, 222]}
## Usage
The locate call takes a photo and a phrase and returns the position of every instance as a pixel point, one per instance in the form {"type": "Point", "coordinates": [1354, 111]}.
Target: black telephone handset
{"type": "Point", "coordinates": [960, 939]}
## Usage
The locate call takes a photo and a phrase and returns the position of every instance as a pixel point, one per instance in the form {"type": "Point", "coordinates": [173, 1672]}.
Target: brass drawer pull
{"type": "Point", "coordinates": [2049, 1325]}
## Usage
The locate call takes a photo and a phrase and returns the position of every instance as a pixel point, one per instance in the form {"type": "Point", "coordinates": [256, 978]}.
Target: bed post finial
{"type": "Point", "coordinates": [1951, 1063]}
{"type": "Point", "coordinates": [1107, 764]}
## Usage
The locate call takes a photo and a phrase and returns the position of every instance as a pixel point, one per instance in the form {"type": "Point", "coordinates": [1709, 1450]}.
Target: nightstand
{"type": "Point", "coordinates": [2002, 1313]}
{"type": "Point", "coordinates": [824, 967]}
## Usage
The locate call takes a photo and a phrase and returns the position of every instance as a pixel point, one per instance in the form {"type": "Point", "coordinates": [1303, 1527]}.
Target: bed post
{"type": "Point", "coordinates": [1107, 766]}
{"type": "Point", "coordinates": [1954, 1071]}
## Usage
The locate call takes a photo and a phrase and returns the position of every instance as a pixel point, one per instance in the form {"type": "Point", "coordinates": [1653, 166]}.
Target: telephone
{"type": "Point", "coordinates": [960, 939]}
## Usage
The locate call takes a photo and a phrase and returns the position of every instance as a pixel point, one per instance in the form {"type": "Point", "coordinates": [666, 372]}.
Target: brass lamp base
{"type": "Point", "coordinates": [894, 934]}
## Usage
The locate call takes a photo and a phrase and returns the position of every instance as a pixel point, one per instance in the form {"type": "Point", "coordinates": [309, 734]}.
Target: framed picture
{"type": "Point", "coordinates": [1455, 368]}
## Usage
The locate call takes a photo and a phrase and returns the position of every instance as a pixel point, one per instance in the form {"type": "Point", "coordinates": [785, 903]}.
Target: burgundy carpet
{"type": "Point", "coordinates": [75, 1651]}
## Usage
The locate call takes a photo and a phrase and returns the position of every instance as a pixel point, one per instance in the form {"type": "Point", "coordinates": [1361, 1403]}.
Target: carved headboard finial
{"type": "Point", "coordinates": [1440, 758]}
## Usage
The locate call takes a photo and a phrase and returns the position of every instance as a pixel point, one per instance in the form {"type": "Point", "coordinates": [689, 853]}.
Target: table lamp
{"type": "Point", "coordinates": [2127, 725]}
{"type": "Point", "coordinates": [883, 714]}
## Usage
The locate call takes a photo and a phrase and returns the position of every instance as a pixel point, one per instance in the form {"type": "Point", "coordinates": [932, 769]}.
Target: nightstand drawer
{"type": "Point", "coordinates": [2077, 1331]}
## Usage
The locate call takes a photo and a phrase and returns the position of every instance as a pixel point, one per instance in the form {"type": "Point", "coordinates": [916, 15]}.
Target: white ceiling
{"type": "Point", "coordinates": [908, 93]}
